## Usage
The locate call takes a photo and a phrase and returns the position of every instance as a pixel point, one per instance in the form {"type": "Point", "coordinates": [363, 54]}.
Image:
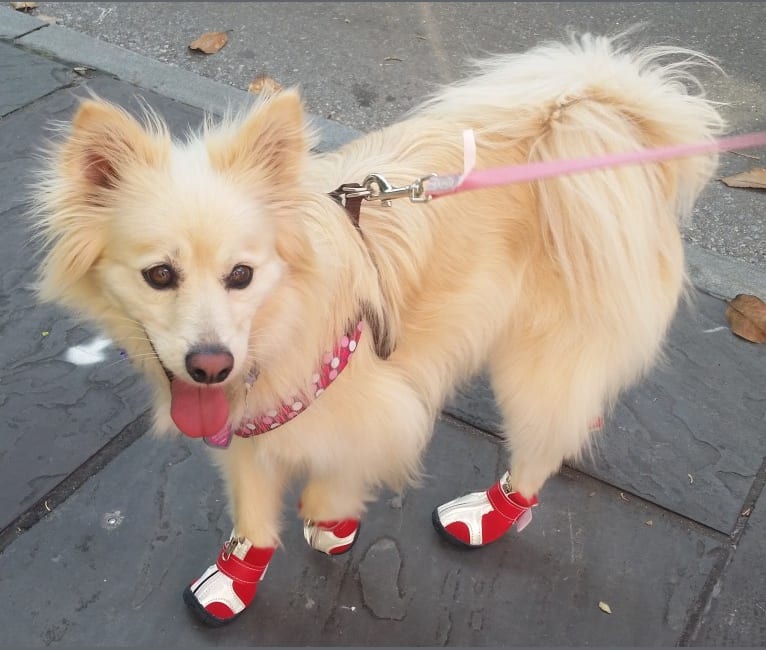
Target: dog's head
{"type": "Point", "coordinates": [189, 254]}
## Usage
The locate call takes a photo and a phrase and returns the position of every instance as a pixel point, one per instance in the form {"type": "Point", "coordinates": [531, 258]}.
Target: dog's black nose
{"type": "Point", "coordinates": [209, 365]}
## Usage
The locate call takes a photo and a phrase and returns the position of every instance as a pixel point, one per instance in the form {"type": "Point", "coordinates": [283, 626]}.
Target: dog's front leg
{"type": "Point", "coordinates": [255, 488]}
{"type": "Point", "coordinates": [331, 506]}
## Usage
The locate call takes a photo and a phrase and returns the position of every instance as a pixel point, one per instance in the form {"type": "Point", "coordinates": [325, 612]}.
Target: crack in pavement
{"type": "Point", "coordinates": [73, 481]}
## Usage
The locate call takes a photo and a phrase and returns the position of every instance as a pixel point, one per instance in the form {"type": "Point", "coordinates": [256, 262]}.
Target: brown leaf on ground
{"type": "Point", "coordinates": [755, 178]}
{"type": "Point", "coordinates": [209, 42]}
{"type": "Point", "coordinates": [604, 607]}
{"type": "Point", "coordinates": [747, 317]}
{"type": "Point", "coordinates": [23, 6]}
{"type": "Point", "coordinates": [265, 84]}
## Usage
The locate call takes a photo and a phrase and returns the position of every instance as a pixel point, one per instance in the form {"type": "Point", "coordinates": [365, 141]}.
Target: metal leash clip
{"type": "Point", "coordinates": [376, 188]}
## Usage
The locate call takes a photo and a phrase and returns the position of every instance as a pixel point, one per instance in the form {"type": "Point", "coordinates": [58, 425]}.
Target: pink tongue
{"type": "Point", "coordinates": [198, 410]}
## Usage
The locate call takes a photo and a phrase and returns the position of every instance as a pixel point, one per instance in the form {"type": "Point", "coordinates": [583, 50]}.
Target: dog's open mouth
{"type": "Point", "coordinates": [198, 411]}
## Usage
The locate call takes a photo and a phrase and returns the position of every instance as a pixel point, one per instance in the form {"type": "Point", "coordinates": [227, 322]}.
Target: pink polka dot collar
{"type": "Point", "coordinates": [331, 366]}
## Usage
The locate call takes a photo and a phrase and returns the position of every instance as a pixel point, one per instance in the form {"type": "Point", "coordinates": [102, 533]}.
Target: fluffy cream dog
{"type": "Point", "coordinates": [243, 290]}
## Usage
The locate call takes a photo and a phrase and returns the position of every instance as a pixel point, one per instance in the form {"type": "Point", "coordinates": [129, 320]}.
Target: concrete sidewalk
{"type": "Point", "coordinates": [102, 526]}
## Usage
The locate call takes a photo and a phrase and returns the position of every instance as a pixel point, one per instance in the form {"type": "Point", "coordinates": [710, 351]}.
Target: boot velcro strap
{"type": "Point", "coordinates": [504, 504]}
{"type": "Point", "coordinates": [239, 570]}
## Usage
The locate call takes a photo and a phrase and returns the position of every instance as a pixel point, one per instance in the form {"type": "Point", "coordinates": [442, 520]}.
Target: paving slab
{"type": "Point", "coordinates": [737, 612]}
{"type": "Point", "coordinates": [212, 97]}
{"type": "Point", "coordinates": [69, 45]}
{"type": "Point", "coordinates": [54, 413]}
{"type": "Point", "coordinates": [25, 131]}
{"type": "Point", "coordinates": [17, 23]}
{"type": "Point", "coordinates": [27, 77]}
{"type": "Point", "coordinates": [690, 436]}
{"type": "Point", "coordinates": [107, 567]}
{"type": "Point", "coordinates": [721, 276]}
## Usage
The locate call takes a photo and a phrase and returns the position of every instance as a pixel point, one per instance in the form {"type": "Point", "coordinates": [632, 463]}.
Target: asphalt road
{"type": "Point", "coordinates": [365, 64]}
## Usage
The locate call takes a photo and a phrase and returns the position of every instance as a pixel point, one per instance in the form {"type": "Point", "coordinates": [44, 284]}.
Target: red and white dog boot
{"type": "Point", "coordinates": [480, 518]}
{"type": "Point", "coordinates": [227, 587]}
{"type": "Point", "coordinates": [331, 537]}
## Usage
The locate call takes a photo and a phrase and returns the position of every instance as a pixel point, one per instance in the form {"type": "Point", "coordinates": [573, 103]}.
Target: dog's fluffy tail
{"type": "Point", "coordinates": [612, 235]}
{"type": "Point", "coordinates": [608, 222]}
{"type": "Point", "coordinates": [591, 96]}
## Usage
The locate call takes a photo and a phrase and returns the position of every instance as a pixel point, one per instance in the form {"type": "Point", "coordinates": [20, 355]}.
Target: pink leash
{"type": "Point", "coordinates": [438, 186]}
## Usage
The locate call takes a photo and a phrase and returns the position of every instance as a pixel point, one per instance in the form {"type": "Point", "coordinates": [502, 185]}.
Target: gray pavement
{"type": "Point", "coordinates": [102, 526]}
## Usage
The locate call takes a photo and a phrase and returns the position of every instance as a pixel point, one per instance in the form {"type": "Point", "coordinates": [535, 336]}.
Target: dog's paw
{"type": "Point", "coordinates": [331, 537]}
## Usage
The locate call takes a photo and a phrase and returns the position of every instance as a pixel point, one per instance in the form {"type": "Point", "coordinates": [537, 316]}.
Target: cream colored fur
{"type": "Point", "coordinates": [564, 288]}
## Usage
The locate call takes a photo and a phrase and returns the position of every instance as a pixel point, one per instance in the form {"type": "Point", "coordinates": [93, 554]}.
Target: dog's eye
{"type": "Point", "coordinates": [161, 276]}
{"type": "Point", "coordinates": [239, 277]}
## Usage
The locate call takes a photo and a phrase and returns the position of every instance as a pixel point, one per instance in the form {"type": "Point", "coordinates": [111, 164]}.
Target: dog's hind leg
{"type": "Point", "coordinates": [255, 488]}
{"type": "Point", "coordinates": [550, 402]}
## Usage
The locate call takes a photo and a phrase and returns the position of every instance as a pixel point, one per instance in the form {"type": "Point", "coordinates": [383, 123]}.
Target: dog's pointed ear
{"type": "Point", "coordinates": [104, 139]}
{"type": "Point", "coordinates": [273, 139]}
{"type": "Point", "coordinates": [102, 143]}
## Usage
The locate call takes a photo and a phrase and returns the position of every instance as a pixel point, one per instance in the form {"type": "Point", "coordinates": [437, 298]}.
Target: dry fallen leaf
{"type": "Point", "coordinates": [264, 84]}
{"type": "Point", "coordinates": [747, 317]}
{"type": "Point", "coordinates": [623, 497]}
{"type": "Point", "coordinates": [604, 607]}
{"type": "Point", "coordinates": [755, 178]}
{"type": "Point", "coordinates": [23, 6]}
{"type": "Point", "coordinates": [746, 512]}
{"type": "Point", "coordinates": [649, 522]}
{"type": "Point", "coordinates": [691, 479]}
{"type": "Point", "coordinates": [209, 42]}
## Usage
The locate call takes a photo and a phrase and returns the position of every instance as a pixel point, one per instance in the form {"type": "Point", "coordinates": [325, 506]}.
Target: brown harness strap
{"type": "Point", "coordinates": [352, 204]}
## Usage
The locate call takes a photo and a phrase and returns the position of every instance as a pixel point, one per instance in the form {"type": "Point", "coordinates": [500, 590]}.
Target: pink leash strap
{"type": "Point", "coordinates": [470, 179]}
